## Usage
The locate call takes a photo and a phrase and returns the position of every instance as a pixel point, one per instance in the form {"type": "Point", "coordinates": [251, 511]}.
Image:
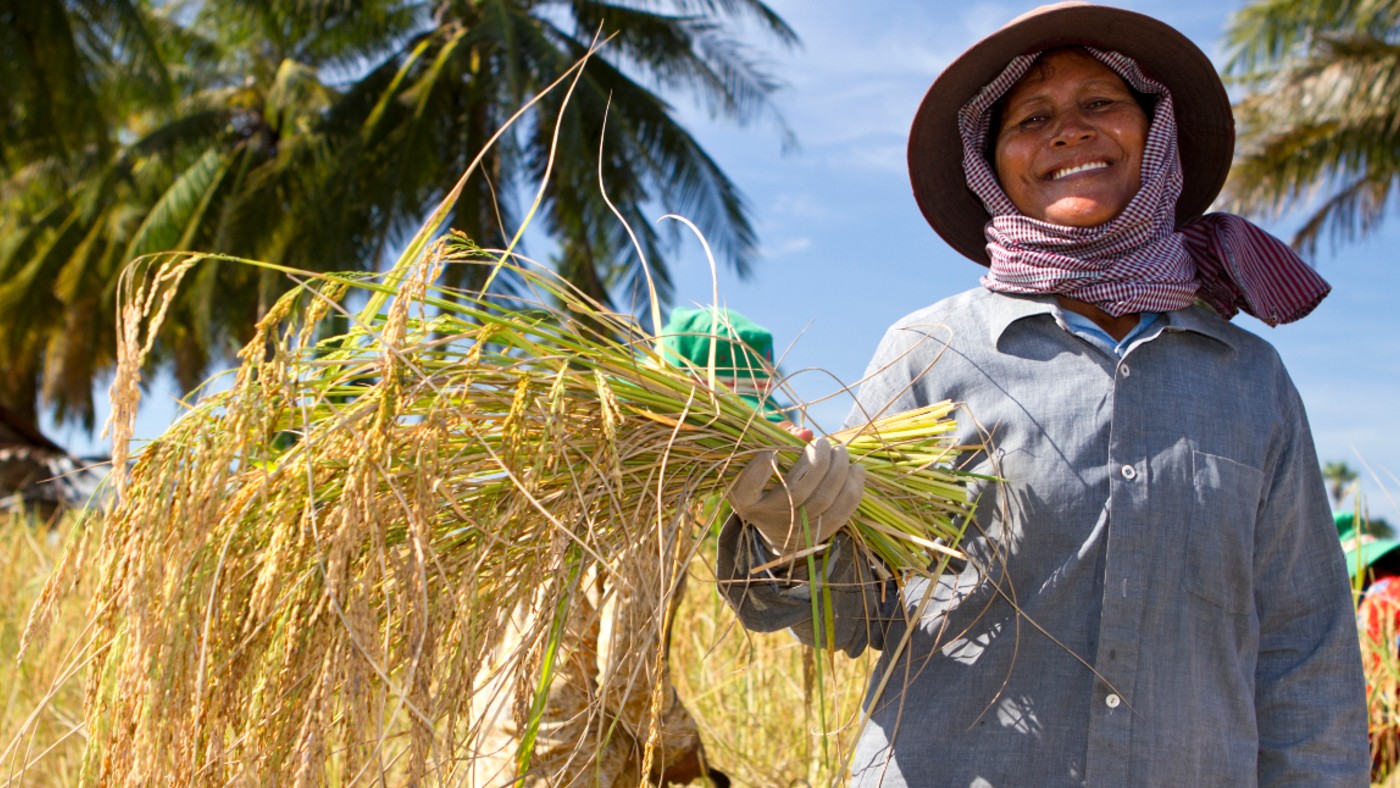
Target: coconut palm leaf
{"type": "Point", "coordinates": [1319, 130]}
{"type": "Point", "coordinates": [176, 215]}
{"type": "Point", "coordinates": [71, 68]}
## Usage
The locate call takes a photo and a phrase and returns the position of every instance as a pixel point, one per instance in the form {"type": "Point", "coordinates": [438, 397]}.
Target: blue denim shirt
{"type": "Point", "coordinates": [1155, 594]}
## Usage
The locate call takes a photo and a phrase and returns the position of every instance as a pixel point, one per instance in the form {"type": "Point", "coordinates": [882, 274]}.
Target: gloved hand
{"type": "Point", "coordinates": [823, 483]}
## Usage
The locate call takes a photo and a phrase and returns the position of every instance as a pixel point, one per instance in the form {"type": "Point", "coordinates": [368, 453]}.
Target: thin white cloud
{"type": "Point", "coordinates": [799, 205]}
{"type": "Point", "coordinates": [789, 246]}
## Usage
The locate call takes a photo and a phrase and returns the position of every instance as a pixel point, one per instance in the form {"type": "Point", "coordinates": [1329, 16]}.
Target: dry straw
{"type": "Point", "coordinates": [381, 552]}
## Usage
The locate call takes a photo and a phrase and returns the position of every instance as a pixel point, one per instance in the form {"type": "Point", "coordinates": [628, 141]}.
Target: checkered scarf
{"type": "Point", "coordinates": [1137, 261]}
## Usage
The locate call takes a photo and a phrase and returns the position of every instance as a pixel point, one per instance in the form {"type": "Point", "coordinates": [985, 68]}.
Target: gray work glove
{"type": "Point", "coordinates": [823, 483]}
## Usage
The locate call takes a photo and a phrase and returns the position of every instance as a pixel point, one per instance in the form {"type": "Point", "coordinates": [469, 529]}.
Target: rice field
{"type": "Point", "coordinates": [41, 726]}
{"type": "Point", "coordinates": [731, 681]}
{"type": "Point", "coordinates": [725, 675]}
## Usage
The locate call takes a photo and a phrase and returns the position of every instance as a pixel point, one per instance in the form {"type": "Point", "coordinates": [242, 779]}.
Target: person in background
{"type": "Point", "coordinates": [1153, 594]}
{"type": "Point", "coordinates": [740, 351]}
{"type": "Point", "coordinates": [1374, 566]}
{"type": "Point", "coordinates": [611, 693]}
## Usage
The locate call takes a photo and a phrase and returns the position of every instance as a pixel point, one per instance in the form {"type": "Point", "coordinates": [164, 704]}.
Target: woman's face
{"type": "Point", "coordinates": [1071, 142]}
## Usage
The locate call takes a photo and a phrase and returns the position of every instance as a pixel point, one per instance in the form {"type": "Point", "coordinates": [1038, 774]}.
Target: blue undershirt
{"type": "Point", "coordinates": [1081, 326]}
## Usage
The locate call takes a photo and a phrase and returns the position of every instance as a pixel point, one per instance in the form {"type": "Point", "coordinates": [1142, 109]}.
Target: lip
{"type": "Point", "coordinates": [1066, 171]}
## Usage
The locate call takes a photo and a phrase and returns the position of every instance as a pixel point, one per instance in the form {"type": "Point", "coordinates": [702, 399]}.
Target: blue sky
{"type": "Point", "coordinates": [845, 251]}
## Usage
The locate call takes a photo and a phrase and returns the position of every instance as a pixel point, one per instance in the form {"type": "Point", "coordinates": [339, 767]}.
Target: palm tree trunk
{"type": "Point", "coordinates": [19, 390]}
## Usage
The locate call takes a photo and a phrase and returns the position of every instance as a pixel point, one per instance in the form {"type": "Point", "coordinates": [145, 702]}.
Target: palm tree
{"type": "Point", "coordinates": [72, 69]}
{"type": "Point", "coordinates": [1319, 128]}
{"type": "Point", "coordinates": [1339, 477]}
{"type": "Point", "coordinates": [316, 133]}
{"type": "Point", "coordinates": [69, 69]}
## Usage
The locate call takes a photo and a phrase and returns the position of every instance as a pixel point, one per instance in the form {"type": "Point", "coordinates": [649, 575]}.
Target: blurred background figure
{"type": "Point", "coordinates": [37, 476]}
{"type": "Point", "coordinates": [1374, 566]}
{"type": "Point", "coordinates": [739, 351]}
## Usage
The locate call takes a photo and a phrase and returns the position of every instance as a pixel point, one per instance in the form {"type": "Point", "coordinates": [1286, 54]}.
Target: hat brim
{"type": "Point", "coordinates": [1367, 552]}
{"type": "Point", "coordinates": [1205, 122]}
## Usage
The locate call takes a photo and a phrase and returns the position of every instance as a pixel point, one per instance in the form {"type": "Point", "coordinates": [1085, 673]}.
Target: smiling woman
{"type": "Point", "coordinates": [1153, 592]}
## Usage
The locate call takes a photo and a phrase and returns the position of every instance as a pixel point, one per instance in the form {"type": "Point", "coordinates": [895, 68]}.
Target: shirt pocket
{"type": "Point", "coordinates": [1220, 542]}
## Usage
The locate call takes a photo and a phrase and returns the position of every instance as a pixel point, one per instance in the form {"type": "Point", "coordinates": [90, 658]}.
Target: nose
{"type": "Point", "coordinates": [1073, 128]}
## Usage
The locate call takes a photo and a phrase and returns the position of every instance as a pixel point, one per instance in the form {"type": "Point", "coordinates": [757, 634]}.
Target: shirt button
{"type": "Point", "coordinates": [1129, 472]}
{"type": "Point", "coordinates": [1123, 369]}
{"type": "Point", "coordinates": [1112, 701]}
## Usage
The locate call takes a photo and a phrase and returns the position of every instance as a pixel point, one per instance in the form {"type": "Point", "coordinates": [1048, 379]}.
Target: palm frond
{"type": "Point", "coordinates": [691, 54]}
{"type": "Point", "coordinates": [176, 215]}
{"type": "Point", "coordinates": [1319, 130]}
{"type": "Point", "coordinates": [336, 120]}
{"type": "Point", "coordinates": [1353, 212]}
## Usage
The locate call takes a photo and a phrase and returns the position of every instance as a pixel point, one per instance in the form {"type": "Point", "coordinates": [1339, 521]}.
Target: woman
{"type": "Point", "coordinates": [1154, 594]}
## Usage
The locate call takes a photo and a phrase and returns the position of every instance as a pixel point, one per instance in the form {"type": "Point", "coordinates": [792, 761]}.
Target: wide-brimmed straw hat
{"type": "Point", "coordinates": [1205, 123]}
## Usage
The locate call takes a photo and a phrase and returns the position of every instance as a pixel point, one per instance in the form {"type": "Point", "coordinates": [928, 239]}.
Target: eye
{"type": "Point", "coordinates": [1032, 121]}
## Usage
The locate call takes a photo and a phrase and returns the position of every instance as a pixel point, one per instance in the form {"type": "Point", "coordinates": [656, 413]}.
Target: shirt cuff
{"type": "Point", "coordinates": [790, 579]}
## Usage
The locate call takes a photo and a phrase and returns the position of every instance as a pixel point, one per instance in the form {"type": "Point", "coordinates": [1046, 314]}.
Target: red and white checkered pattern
{"type": "Point", "coordinates": [1137, 261]}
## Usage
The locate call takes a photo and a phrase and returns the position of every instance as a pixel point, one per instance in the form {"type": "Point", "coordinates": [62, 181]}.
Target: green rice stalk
{"type": "Point", "coordinates": [556, 636]}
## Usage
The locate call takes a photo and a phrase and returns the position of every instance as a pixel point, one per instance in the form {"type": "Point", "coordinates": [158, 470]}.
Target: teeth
{"type": "Point", "coordinates": [1096, 165]}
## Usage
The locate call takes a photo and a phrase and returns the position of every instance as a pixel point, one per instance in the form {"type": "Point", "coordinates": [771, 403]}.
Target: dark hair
{"type": "Point", "coordinates": [1148, 101]}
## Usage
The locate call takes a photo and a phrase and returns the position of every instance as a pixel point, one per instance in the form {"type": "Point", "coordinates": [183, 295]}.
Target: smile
{"type": "Point", "coordinates": [1093, 165]}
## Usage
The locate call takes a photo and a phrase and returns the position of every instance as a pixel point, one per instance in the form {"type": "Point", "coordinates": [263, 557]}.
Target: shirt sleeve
{"type": "Point", "coordinates": [846, 610]}
{"type": "Point", "coordinates": [1309, 687]}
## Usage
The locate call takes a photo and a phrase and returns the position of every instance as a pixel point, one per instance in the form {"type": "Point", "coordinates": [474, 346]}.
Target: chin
{"type": "Point", "coordinates": [1081, 215]}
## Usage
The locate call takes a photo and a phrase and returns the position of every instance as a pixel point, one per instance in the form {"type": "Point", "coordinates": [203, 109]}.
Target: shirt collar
{"type": "Point", "coordinates": [1202, 320]}
{"type": "Point", "coordinates": [1003, 310]}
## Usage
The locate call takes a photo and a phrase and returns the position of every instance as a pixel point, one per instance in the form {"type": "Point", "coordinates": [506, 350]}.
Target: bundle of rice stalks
{"type": "Point", "coordinates": [443, 544]}
{"type": "Point", "coordinates": [374, 551]}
